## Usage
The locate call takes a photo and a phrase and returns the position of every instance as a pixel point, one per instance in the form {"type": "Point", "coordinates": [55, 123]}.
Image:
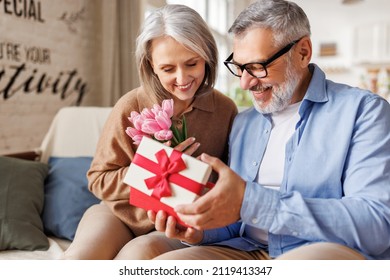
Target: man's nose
{"type": "Point", "coordinates": [247, 80]}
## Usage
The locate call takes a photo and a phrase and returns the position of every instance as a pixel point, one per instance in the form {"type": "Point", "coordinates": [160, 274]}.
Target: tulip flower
{"type": "Point", "coordinates": [156, 123]}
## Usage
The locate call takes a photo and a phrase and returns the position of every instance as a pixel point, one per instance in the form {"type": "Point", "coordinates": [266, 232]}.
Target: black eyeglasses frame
{"type": "Point", "coordinates": [264, 64]}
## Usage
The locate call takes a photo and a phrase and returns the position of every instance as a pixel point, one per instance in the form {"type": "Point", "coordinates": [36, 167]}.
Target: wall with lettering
{"type": "Point", "coordinates": [50, 54]}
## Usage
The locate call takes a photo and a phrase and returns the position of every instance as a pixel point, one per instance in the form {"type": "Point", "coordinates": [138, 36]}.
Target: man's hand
{"type": "Point", "coordinates": [221, 205]}
{"type": "Point", "coordinates": [174, 230]}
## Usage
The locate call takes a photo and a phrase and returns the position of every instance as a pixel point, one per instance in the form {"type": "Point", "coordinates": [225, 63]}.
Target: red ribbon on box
{"type": "Point", "coordinates": [167, 170]}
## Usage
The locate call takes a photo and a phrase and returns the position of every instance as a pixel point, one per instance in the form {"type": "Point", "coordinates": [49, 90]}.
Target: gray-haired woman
{"type": "Point", "coordinates": [177, 59]}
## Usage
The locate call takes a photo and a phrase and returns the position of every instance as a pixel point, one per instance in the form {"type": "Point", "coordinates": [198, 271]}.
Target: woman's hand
{"type": "Point", "coordinates": [172, 229]}
{"type": "Point", "coordinates": [188, 146]}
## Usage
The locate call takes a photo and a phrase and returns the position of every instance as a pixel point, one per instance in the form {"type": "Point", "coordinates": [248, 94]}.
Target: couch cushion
{"type": "Point", "coordinates": [21, 203]}
{"type": "Point", "coordinates": [66, 195]}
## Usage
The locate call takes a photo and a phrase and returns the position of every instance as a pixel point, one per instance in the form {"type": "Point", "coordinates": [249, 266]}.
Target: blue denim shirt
{"type": "Point", "coordinates": [336, 184]}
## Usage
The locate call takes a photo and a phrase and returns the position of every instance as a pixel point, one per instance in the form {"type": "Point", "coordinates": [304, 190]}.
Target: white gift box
{"type": "Point", "coordinates": [184, 186]}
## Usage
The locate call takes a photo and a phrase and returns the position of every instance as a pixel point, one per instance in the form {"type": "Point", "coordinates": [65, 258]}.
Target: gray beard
{"type": "Point", "coordinates": [281, 95]}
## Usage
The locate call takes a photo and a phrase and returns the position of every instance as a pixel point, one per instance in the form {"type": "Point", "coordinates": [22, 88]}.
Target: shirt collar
{"type": "Point", "coordinates": [316, 92]}
{"type": "Point", "coordinates": [204, 102]}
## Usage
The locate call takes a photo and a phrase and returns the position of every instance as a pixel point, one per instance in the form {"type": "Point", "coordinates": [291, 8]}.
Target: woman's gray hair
{"type": "Point", "coordinates": [187, 27]}
{"type": "Point", "coordinates": [285, 19]}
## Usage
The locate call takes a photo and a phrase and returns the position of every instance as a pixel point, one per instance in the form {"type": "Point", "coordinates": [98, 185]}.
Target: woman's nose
{"type": "Point", "coordinates": [181, 76]}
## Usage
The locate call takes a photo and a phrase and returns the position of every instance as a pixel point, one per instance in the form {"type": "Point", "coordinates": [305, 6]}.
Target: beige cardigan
{"type": "Point", "coordinates": [209, 121]}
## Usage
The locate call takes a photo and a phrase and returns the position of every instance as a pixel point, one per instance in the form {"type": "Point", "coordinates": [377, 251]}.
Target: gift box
{"type": "Point", "coordinates": [161, 178]}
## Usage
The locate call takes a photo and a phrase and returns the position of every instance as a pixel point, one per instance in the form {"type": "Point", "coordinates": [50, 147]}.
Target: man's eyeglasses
{"type": "Point", "coordinates": [256, 69]}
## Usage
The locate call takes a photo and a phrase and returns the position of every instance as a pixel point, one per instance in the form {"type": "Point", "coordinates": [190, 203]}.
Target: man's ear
{"type": "Point", "coordinates": [304, 49]}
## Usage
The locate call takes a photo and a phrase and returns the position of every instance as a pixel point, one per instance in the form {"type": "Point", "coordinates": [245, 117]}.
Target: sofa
{"type": "Point", "coordinates": [44, 193]}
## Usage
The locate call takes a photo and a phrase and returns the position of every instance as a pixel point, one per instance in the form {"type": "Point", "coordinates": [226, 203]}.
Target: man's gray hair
{"type": "Point", "coordinates": [285, 19]}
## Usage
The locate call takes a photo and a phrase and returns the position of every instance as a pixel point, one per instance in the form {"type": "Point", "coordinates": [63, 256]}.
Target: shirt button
{"type": "Point", "coordinates": [266, 131]}
{"type": "Point", "coordinates": [254, 163]}
{"type": "Point", "coordinates": [255, 220]}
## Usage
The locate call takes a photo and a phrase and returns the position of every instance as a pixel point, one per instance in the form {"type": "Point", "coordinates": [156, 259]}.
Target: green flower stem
{"type": "Point", "coordinates": [179, 136]}
{"type": "Point", "coordinates": [174, 141]}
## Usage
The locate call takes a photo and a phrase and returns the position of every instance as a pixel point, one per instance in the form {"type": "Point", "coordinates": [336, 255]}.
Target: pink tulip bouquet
{"type": "Point", "coordinates": [156, 123]}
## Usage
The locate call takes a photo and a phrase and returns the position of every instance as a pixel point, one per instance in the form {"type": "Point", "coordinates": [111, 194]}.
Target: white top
{"type": "Point", "coordinates": [272, 165]}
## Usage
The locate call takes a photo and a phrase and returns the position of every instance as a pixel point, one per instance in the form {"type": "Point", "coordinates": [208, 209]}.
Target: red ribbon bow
{"type": "Point", "coordinates": [166, 171]}
{"type": "Point", "coordinates": [168, 166]}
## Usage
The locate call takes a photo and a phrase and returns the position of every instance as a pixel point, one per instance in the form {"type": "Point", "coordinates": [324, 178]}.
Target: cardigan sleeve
{"type": "Point", "coordinates": [114, 152]}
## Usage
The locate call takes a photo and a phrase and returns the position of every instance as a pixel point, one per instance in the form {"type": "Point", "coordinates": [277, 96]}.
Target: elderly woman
{"type": "Point", "coordinates": [177, 59]}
